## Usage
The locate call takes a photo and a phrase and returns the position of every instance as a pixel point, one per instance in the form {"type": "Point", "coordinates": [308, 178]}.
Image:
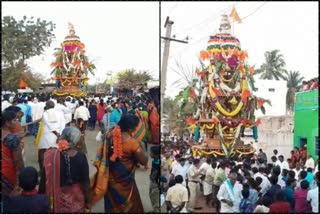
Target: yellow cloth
{"type": "Point", "coordinates": [40, 130]}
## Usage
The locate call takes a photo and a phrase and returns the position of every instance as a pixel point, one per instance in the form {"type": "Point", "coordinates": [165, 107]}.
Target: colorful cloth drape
{"type": "Point", "coordinates": [62, 199]}
{"type": "Point", "coordinates": [155, 126]}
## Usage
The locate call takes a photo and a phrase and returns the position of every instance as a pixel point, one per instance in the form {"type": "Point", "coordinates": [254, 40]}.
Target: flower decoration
{"type": "Point", "coordinates": [117, 144]}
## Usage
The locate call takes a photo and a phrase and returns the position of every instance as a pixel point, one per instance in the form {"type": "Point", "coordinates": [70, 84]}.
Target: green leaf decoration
{"type": "Point", "coordinates": [263, 110]}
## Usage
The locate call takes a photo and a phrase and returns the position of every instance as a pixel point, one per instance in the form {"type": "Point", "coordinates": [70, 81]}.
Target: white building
{"type": "Point", "coordinates": [275, 91]}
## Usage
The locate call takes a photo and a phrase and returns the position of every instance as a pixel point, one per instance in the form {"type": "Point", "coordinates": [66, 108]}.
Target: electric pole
{"type": "Point", "coordinates": [168, 24]}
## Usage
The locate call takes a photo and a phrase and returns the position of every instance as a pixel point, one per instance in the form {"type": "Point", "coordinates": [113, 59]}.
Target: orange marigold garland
{"type": "Point", "coordinates": [117, 144]}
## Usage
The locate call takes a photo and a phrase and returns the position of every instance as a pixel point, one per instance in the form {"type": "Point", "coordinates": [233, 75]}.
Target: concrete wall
{"type": "Point", "coordinates": [277, 97]}
{"type": "Point", "coordinates": [275, 133]}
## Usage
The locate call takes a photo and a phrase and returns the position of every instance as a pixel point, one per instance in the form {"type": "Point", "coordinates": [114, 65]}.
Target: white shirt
{"type": "Point", "coordinates": [37, 110]}
{"type": "Point", "coordinates": [313, 197]}
{"type": "Point", "coordinates": [65, 112]}
{"type": "Point", "coordinates": [180, 170]}
{"type": "Point", "coordinates": [5, 104]}
{"type": "Point", "coordinates": [310, 163]}
{"type": "Point", "coordinates": [204, 167]}
{"type": "Point", "coordinates": [297, 172]}
{"type": "Point", "coordinates": [82, 112]}
{"type": "Point", "coordinates": [224, 194]}
{"type": "Point", "coordinates": [71, 106]}
{"type": "Point", "coordinates": [48, 138]}
{"type": "Point", "coordinates": [265, 184]}
{"type": "Point", "coordinates": [284, 165]}
{"type": "Point", "coordinates": [177, 194]}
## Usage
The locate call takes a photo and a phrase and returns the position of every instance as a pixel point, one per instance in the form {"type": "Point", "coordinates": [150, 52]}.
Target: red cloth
{"type": "Point", "coordinates": [279, 207]}
{"type": "Point", "coordinates": [301, 203]}
{"type": "Point", "coordinates": [8, 170]}
{"type": "Point", "coordinates": [100, 111]}
{"type": "Point", "coordinates": [155, 126]}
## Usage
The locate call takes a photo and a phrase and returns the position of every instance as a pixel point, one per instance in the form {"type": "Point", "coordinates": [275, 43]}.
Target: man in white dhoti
{"type": "Point", "coordinates": [208, 182]}
{"type": "Point", "coordinates": [230, 194]}
{"type": "Point", "coordinates": [51, 131]}
{"type": "Point", "coordinates": [194, 184]}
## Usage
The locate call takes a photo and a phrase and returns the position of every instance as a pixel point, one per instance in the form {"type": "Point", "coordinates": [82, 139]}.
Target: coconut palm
{"type": "Point", "coordinates": [293, 79]}
{"type": "Point", "coordinates": [273, 68]}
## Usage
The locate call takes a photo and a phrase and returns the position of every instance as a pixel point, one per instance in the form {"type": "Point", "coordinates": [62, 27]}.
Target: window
{"type": "Point", "coordinates": [316, 144]}
{"type": "Point", "coordinates": [271, 90]}
{"type": "Point", "coordinates": [302, 142]}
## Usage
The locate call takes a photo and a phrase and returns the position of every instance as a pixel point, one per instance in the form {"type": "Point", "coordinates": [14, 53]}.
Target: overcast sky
{"type": "Point", "coordinates": [117, 35]}
{"type": "Point", "coordinates": [291, 27]}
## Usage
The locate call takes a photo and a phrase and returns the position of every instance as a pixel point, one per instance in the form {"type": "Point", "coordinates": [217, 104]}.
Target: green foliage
{"type": "Point", "coordinates": [273, 67]}
{"type": "Point", "coordinates": [12, 75]}
{"type": "Point", "coordinates": [23, 39]}
{"type": "Point", "coordinates": [130, 79]}
{"type": "Point", "coordinates": [293, 79]}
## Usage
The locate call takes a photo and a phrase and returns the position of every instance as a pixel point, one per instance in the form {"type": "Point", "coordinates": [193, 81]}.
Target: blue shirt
{"type": "Point", "coordinates": [289, 194]}
{"type": "Point", "coordinates": [24, 110]}
{"type": "Point", "coordinates": [309, 177]}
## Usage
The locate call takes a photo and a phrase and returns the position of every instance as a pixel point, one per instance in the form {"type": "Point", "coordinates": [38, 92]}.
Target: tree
{"type": "Point", "coordinates": [273, 68]}
{"type": "Point", "coordinates": [130, 79]}
{"type": "Point", "coordinates": [12, 76]}
{"type": "Point", "coordinates": [293, 79]}
{"type": "Point", "coordinates": [24, 39]}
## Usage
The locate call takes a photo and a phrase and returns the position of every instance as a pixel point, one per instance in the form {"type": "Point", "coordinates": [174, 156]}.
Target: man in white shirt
{"type": "Point", "coordinates": [230, 195]}
{"type": "Point", "coordinates": [83, 113]}
{"type": "Point", "coordinates": [64, 113]}
{"type": "Point", "coordinates": [51, 131]}
{"type": "Point", "coordinates": [265, 185]}
{"type": "Point", "coordinates": [178, 169]}
{"type": "Point", "coordinates": [313, 198]}
{"type": "Point", "coordinates": [5, 103]}
{"type": "Point", "coordinates": [71, 106]}
{"type": "Point", "coordinates": [177, 196]}
{"type": "Point", "coordinates": [208, 182]}
{"type": "Point", "coordinates": [283, 164]}
{"type": "Point", "coordinates": [309, 162]}
{"type": "Point", "coordinates": [194, 184]}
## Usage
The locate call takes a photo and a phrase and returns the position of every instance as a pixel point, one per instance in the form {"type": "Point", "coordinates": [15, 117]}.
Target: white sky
{"type": "Point", "coordinates": [291, 27]}
{"type": "Point", "coordinates": [117, 35]}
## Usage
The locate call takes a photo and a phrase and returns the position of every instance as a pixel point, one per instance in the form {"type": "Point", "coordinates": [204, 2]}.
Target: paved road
{"type": "Point", "coordinates": [142, 176]}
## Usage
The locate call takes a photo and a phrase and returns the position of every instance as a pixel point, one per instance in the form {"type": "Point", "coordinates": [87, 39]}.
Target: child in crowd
{"type": "Point", "coordinates": [29, 201]}
{"type": "Point", "coordinates": [246, 206]}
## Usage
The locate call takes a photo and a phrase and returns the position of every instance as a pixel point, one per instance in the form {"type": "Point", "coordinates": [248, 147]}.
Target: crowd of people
{"type": "Point", "coordinates": [59, 127]}
{"type": "Point", "coordinates": [249, 184]}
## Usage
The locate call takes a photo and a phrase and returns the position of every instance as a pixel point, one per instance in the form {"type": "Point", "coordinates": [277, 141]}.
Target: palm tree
{"type": "Point", "coordinates": [293, 79]}
{"type": "Point", "coordinates": [273, 68]}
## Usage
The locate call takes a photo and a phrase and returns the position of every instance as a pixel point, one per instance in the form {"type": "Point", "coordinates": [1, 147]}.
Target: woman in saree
{"type": "Point", "coordinates": [100, 111]}
{"type": "Point", "coordinates": [119, 158]}
{"type": "Point", "coordinates": [66, 175]}
{"type": "Point", "coordinates": [155, 125]}
{"type": "Point", "coordinates": [11, 158]}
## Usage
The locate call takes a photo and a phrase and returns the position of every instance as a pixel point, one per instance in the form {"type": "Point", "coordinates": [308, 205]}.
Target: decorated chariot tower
{"type": "Point", "coordinates": [71, 67]}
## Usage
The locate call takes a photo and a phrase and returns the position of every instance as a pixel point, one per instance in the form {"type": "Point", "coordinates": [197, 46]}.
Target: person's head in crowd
{"type": "Point", "coordinates": [274, 180]}
{"type": "Point", "coordinates": [155, 152]}
{"type": "Point", "coordinates": [182, 161]}
{"type": "Point", "coordinates": [25, 101]}
{"type": "Point", "coordinates": [196, 162]}
{"type": "Point", "coordinates": [284, 173]}
{"type": "Point", "coordinates": [16, 110]}
{"type": "Point", "coordinates": [292, 152]}
{"type": "Point", "coordinates": [298, 165]}
{"type": "Point", "coordinates": [81, 103]}
{"type": "Point", "coordinates": [309, 169]}
{"type": "Point", "coordinates": [109, 109]}
{"type": "Point", "coordinates": [178, 179]}
{"type": "Point", "coordinates": [177, 157]}
{"type": "Point", "coordinates": [128, 123]}
{"type": "Point", "coordinates": [291, 174]}
{"type": "Point", "coordinates": [6, 97]}
{"type": "Point", "coordinates": [214, 164]}
{"type": "Point", "coordinates": [20, 101]}
{"type": "Point", "coordinates": [68, 99]}
{"type": "Point", "coordinates": [252, 161]}
{"type": "Point", "coordinates": [258, 180]}
{"type": "Point", "coordinates": [281, 158]}
{"type": "Point", "coordinates": [245, 193]}
{"type": "Point", "coordinates": [276, 170]}
{"type": "Point", "coordinates": [101, 102]}
{"type": "Point", "coordinates": [255, 170]}
{"type": "Point", "coordinates": [304, 184]}
{"type": "Point", "coordinates": [15, 101]}
{"type": "Point", "coordinates": [275, 152]}
{"type": "Point", "coordinates": [262, 170]}
{"type": "Point", "coordinates": [291, 182]}
{"type": "Point", "coordinates": [28, 178]}
{"type": "Point", "coordinates": [49, 105]}
{"type": "Point", "coordinates": [274, 159]}
{"type": "Point", "coordinates": [233, 177]}
{"type": "Point", "coordinates": [8, 119]}
{"type": "Point", "coordinates": [302, 175]}
{"type": "Point", "coordinates": [208, 160]}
